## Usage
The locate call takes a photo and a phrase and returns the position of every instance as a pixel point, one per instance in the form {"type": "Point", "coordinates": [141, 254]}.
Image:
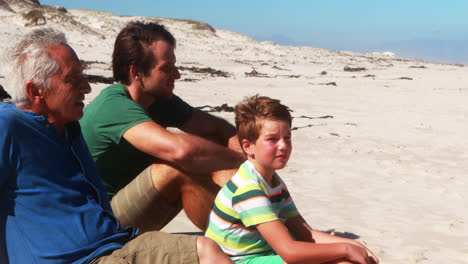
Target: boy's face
{"type": "Point", "coordinates": [272, 149]}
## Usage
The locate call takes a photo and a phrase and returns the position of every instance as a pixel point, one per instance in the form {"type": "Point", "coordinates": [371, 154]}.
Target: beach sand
{"type": "Point", "coordinates": [379, 154]}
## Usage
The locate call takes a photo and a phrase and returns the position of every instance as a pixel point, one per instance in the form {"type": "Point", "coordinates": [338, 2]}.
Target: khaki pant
{"type": "Point", "coordinates": [154, 248]}
{"type": "Point", "coordinates": [140, 205]}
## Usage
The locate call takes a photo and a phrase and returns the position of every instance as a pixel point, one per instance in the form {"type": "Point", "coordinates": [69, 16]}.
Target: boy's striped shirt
{"type": "Point", "coordinates": [245, 201]}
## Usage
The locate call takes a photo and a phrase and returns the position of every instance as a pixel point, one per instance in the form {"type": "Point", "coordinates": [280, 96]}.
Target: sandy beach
{"type": "Point", "coordinates": [380, 146]}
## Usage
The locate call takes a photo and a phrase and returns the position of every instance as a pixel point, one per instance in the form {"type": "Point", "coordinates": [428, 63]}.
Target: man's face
{"type": "Point", "coordinates": [67, 87]}
{"type": "Point", "coordinates": [160, 80]}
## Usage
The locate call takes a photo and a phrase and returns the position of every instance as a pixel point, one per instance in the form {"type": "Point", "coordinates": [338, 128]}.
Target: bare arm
{"type": "Point", "coordinates": [303, 232]}
{"type": "Point", "coordinates": [292, 251]}
{"type": "Point", "coordinates": [214, 128]}
{"type": "Point", "coordinates": [189, 152]}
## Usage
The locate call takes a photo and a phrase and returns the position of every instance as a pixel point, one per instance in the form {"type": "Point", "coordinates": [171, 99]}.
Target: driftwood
{"type": "Point", "coordinates": [221, 108]}
{"type": "Point", "coordinates": [98, 79]}
{"type": "Point", "coordinates": [86, 64]}
{"type": "Point", "coordinates": [208, 70]}
{"type": "Point", "coordinates": [255, 73]}
{"type": "Point", "coordinates": [350, 69]}
{"type": "Point", "coordinates": [312, 117]}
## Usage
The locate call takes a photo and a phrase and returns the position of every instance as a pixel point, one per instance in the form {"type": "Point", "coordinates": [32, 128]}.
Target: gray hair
{"type": "Point", "coordinates": [28, 60]}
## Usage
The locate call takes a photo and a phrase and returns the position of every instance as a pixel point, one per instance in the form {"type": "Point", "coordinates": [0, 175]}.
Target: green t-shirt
{"type": "Point", "coordinates": [109, 116]}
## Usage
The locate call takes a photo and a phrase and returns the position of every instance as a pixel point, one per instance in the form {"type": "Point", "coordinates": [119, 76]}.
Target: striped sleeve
{"type": "Point", "coordinates": [289, 209]}
{"type": "Point", "coordinates": [252, 205]}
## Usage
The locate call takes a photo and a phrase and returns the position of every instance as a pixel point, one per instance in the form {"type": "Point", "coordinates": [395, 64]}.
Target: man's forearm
{"type": "Point", "coordinates": [234, 144]}
{"type": "Point", "coordinates": [211, 127]}
{"type": "Point", "coordinates": [203, 156]}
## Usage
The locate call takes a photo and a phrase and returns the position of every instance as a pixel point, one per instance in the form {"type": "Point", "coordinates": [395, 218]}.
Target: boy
{"type": "Point", "coordinates": [254, 219]}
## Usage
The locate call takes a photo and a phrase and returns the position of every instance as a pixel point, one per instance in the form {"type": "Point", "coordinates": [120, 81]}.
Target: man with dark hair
{"type": "Point", "coordinates": [149, 171]}
{"type": "Point", "coordinates": [53, 205]}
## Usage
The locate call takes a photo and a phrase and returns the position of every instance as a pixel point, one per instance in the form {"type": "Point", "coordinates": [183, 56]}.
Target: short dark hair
{"type": "Point", "coordinates": [131, 47]}
{"type": "Point", "coordinates": [251, 112]}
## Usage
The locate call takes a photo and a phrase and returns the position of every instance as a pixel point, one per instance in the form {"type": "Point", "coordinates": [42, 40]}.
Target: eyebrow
{"type": "Point", "coordinates": [166, 64]}
{"type": "Point", "coordinates": [269, 134]}
{"type": "Point", "coordinates": [275, 134]}
{"type": "Point", "coordinates": [73, 73]}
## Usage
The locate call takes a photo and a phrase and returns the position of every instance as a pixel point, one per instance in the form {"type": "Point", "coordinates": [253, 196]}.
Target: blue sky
{"type": "Point", "coordinates": [433, 30]}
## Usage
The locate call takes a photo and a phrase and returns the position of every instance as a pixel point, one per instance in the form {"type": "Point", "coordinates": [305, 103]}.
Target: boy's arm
{"type": "Point", "coordinates": [292, 251]}
{"type": "Point", "coordinates": [300, 230]}
{"type": "Point", "coordinates": [303, 232]}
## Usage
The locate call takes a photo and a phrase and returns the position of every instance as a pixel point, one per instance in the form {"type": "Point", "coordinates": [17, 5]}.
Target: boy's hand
{"type": "Point", "coordinates": [372, 257]}
{"type": "Point", "coordinates": [360, 255]}
{"type": "Point", "coordinates": [369, 253]}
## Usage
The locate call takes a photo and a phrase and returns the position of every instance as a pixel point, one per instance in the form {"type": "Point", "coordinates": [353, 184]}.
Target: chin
{"type": "Point", "coordinates": [167, 96]}
{"type": "Point", "coordinates": [77, 116]}
{"type": "Point", "coordinates": [281, 165]}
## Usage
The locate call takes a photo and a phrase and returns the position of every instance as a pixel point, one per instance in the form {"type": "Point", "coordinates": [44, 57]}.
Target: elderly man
{"type": "Point", "coordinates": [53, 205]}
{"type": "Point", "coordinates": [148, 170]}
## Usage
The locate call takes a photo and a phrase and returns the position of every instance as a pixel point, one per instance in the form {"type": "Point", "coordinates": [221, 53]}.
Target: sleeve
{"type": "Point", "coordinates": [127, 115]}
{"type": "Point", "coordinates": [4, 167]}
{"type": "Point", "coordinates": [8, 153]}
{"type": "Point", "coordinates": [289, 209]}
{"type": "Point", "coordinates": [4, 205]}
{"type": "Point", "coordinates": [253, 206]}
{"type": "Point", "coordinates": [171, 113]}
{"type": "Point", "coordinates": [106, 123]}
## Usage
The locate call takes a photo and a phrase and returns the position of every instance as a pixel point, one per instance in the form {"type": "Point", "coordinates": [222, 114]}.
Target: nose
{"type": "Point", "coordinates": [176, 74]}
{"type": "Point", "coordinates": [282, 144]}
{"type": "Point", "coordinates": [85, 87]}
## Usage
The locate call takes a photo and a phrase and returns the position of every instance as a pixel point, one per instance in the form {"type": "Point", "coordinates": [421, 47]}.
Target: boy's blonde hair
{"type": "Point", "coordinates": [251, 112]}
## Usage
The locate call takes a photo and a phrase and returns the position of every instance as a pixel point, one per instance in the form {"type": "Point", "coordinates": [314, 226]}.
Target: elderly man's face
{"type": "Point", "coordinates": [64, 99]}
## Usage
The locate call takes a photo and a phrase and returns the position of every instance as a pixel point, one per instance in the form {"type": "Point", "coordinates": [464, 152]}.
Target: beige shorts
{"type": "Point", "coordinates": [154, 247]}
{"type": "Point", "coordinates": [139, 204]}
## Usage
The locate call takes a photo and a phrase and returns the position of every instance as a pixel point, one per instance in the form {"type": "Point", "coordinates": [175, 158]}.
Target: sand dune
{"type": "Point", "coordinates": [380, 149]}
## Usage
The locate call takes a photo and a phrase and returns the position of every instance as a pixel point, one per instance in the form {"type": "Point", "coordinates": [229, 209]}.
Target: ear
{"type": "Point", "coordinates": [134, 73]}
{"type": "Point", "coordinates": [248, 148]}
{"type": "Point", "coordinates": [34, 93]}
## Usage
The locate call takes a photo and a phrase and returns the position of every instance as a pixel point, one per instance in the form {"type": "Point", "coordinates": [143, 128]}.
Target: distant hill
{"type": "Point", "coordinates": [18, 5]}
{"type": "Point", "coordinates": [202, 50]}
